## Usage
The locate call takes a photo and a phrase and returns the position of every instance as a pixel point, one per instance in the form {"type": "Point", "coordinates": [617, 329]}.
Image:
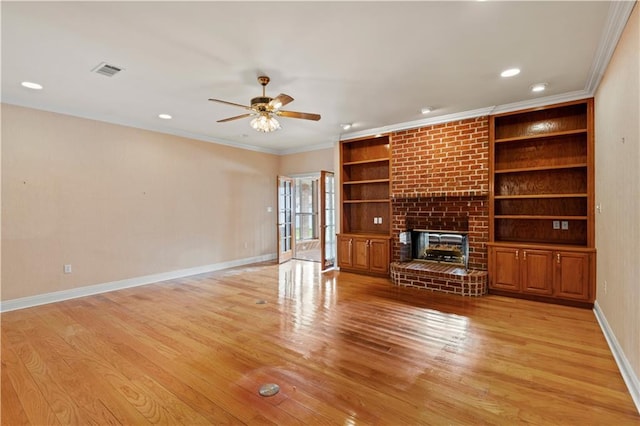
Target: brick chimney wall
{"type": "Point", "coordinates": [439, 178]}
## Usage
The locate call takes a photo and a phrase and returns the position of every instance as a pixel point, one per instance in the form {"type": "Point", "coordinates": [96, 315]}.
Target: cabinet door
{"type": "Point", "coordinates": [537, 271]}
{"type": "Point", "coordinates": [345, 251]}
{"type": "Point", "coordinates": [572, 275]}
{"type": "Point", "coordinates": [379, 256]}
{"type": "Point", "coordinates": [361, 253]}
{"type": "Point", "coordinates": [505, 268]}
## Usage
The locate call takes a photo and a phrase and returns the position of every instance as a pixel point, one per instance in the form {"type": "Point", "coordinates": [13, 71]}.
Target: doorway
{"type": "Point", "coordinates": [307, 208]}
{"type": "Point", "coordinates": [306, 212]}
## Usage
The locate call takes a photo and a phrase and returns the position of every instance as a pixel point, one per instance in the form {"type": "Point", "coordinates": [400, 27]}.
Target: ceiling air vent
{"type": "Point", "coordinates": [107, 69]}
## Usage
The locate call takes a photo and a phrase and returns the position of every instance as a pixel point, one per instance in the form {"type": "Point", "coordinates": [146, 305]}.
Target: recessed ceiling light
{"type": "Point", "coordinates": [539, 87]}
{"type": "Point", "coordinates": [31, 85]}
{"type": "Point", "coordinates": [165, 116]}
{"type": "Point", "coordinates": [510, 72]}
{"type": "Point", "coordinates": [425, 110]}
{"type": "Point", "coordinates": [346, 126]}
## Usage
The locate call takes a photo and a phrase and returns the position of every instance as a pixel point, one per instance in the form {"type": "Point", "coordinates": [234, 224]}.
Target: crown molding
{"type": "Point", "coordinates": [157, 129]}
{"type": "Point", "coordinates": [419, 123]}
{"type": "Point", "coordinates": [538, 102]}
{"type": "Point", "coordinates": [619, 12]}
{"type": "Point", "coordinates": [299, 149]}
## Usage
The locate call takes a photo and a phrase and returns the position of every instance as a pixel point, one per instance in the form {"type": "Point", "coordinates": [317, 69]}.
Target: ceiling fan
{"type": "Point", "coordinates": [264, 109]}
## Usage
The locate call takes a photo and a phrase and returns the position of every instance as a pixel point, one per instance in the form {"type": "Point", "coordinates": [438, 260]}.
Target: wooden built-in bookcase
{"type": "Point", "coordinates": [363, 244]}
{"type": "Point", "coordinates": [541, 202]}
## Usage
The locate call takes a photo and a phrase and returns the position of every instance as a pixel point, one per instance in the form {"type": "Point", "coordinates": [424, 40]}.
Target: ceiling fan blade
{"type": "Point", "coordinates": [280, 101]}
{"type": "Point", "coordinates": [294, 114]}
{"type": "Point", "coordinates": [237, 117]}
{"type": "Point", "coordinates": [230, 103]}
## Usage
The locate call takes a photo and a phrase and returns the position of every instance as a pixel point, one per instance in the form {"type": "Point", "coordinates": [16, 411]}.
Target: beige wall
{"type": "Point", "coordinates": [617, 110]}
{"type": "Point", "coordinates": [117, 202]}
{"type": "Point", "coordinates": [307, 162]}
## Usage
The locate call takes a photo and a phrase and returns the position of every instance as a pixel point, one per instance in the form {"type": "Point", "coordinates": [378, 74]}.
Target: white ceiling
{"type": "Point", "coordinates": [374, 64]}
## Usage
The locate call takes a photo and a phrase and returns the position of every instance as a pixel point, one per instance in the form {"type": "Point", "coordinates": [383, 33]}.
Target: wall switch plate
{"type": "Point", "coordinates": [556, 224]}
{"type": "Point", "coordinates": [380, 221]}
{"type": "Point", "coordinates": [565, 225]}
{"type": "Point", "coordinates": [67, 269]}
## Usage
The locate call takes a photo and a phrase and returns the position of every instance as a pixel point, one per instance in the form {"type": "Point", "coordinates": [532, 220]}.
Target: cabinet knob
{"type": "Point", "coordinates": [558, 258]}
{"type": "Point", "coordinates": [524, 255]}
{"type": "Point", "coordinates": [517, 251]}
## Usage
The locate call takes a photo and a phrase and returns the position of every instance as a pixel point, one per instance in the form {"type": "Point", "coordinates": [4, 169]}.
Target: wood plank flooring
{"type": "Point", "coordinates": [344, 349]}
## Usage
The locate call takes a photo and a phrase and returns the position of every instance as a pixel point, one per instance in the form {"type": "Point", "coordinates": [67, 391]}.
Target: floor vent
{"type": "Point", "coordinates": [107, 69]}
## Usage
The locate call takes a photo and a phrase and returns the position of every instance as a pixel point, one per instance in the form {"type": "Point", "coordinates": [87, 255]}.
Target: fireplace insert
{"type": "Point", "coordinates": [440, 246]}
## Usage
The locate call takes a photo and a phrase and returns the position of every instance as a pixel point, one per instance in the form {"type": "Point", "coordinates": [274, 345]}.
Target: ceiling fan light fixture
{"type": "Point", "coordinates": [265, 123]}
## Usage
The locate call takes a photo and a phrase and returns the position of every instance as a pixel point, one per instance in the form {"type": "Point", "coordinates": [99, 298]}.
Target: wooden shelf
{"type": "Point", "coordinates": [542, 136]}
{"type": "Point", "coordinates": [374, 160]}
{"type": "Point", "coordinates": [542, 168]}
{"type": "Point", "coordinates": [539, 217]}
{"type": "Point", "coordinates": [363, 182]}
{"type": "Point", "coordinates": [534, 196]}
{"type": "Point", "coordinates": [365, 201]}
{"type": "Point", "coordinates": [540, 246]}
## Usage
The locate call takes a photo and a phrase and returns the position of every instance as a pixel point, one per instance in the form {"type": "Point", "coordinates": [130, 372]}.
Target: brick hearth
{"type": "Point", "coordinates": [439, 277]}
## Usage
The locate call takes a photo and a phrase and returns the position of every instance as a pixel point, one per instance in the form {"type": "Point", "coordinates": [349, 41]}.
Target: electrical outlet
{"type": "Point", "coordinates": [605, 286]}
{"type": "Point", "coordinates": [380, 221]}
{"type": "Point", "coordinates": [556, 224]}
{"type": "Point", "coordinates": [67, 269]}
{"type": "Point", "coordinates": [565, 225]}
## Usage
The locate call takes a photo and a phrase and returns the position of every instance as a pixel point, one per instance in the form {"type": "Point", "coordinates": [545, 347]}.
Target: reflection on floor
{"type": "Point", "coordinates": [308, 250]}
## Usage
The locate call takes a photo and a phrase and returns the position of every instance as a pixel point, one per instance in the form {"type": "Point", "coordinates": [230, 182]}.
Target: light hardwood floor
{"type": "Point", "coordinates": [344, 349]}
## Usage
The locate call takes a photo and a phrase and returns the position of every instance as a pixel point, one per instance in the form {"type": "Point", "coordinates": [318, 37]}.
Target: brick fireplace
{"type": "Point", "coordinates": [440, 181]}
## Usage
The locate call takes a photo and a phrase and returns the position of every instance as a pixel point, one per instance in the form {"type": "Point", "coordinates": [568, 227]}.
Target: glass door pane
{"type": "Point", "coordinates": [285, 219]}
{"type": "Point", "coordinates": [328, 219]}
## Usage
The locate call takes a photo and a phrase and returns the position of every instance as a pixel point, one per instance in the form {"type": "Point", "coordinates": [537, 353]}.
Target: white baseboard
{"type": "Point", "coordinates": [630, 378]}
{"type": "Point", "coordinates": [57, 296]}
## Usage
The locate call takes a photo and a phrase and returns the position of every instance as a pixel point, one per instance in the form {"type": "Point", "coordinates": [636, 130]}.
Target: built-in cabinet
{"type": "Point", "coordinates": [363, 254]}
{"type": "Point", "coordinates": [541, 202]}
{"type": "Point", "coordinates": [364, 243]}
{"type": "Point", "coordinates": [563, 274]}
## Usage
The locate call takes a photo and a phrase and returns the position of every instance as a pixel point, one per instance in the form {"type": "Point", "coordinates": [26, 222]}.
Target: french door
{"type": "Point", "coordinates": [327, 220]}
{"type": "Point", "coordinates": [285, 219]}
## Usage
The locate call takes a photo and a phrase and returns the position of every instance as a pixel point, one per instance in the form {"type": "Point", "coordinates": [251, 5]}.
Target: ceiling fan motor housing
{"type": "Point", "coordinates": [261, 102]}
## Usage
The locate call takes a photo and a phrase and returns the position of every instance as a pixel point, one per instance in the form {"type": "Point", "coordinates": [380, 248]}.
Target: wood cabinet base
{"type": "Point", "coordinates": [365, 254]}
{"type": "Point", "coordinates": [556, 274]}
